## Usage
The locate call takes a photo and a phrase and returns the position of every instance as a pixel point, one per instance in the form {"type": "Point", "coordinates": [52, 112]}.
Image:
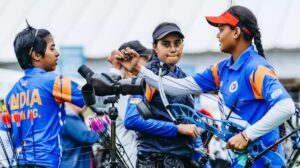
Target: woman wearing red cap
{"type": "Point", "coordinates": [245, 80]}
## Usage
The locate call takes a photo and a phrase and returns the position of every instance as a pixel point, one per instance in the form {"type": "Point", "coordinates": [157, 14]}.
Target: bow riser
{"type": "Point", "coordinates": [228, 130]}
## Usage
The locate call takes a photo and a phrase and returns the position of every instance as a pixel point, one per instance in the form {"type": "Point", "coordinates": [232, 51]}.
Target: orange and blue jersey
{"type": "Point", "coordinates": [42, 95]}
{"type": "Point", "coordinates": [250, 82]}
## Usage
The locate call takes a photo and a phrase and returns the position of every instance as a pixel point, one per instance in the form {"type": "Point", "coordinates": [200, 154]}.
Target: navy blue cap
{"type": "Point", "coordinates": [137, 46]}
{"type": "Point", "coordinates": [164, 29]}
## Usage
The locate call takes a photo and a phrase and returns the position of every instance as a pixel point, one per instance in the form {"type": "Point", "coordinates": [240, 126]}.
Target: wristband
{"type": "Point", "coordinates": [244, 135]}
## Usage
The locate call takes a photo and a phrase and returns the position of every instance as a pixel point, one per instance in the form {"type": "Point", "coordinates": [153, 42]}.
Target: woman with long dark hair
{"type": "Point", "coordinates": [245, 80]}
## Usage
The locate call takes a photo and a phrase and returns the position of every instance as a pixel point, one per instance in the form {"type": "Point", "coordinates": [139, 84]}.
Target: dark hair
{"type": "Point", "coordinates": [249, 20]}
{"type": "Point", "coordinates": [28, 40]}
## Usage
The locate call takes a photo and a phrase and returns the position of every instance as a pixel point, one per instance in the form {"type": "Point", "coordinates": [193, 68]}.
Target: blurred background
{"type": "Point", "coordinates": [86, 31]}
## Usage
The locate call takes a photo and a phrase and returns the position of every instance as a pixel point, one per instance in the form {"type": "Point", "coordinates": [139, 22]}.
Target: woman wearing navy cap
{"type": "Point", "coordinates": [162, 143]}
{"type": "Point", "coordinates": [244, 80]}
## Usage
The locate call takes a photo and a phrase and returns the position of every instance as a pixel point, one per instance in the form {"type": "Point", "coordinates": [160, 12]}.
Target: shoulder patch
{"type": "Point", "coordinates": [276, 93]}
{"type": "Point", "coordinates": [134, 101]}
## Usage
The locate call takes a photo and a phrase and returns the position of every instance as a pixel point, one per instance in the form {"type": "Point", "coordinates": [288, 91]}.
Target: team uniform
{"type": "Point", "coordinates": [157, 137]}
{"type": "Point", "coordinates": [42, 95]}
{"type": "Point", "coordinates": [250, 84]}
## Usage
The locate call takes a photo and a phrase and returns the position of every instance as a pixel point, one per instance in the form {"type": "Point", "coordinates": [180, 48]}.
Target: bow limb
{"type": "Point", "coordinates": [162, 92]}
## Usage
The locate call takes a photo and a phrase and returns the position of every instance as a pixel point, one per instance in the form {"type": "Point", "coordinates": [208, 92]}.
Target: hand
{"type": "Point", "coordinates": [190, 130]}
{"type": "Point", "coordinates": [129, 60]}
{"type": "Point", "coordinates": [237, 142]}
{"type": "Point", "coordinates": [114, 59]}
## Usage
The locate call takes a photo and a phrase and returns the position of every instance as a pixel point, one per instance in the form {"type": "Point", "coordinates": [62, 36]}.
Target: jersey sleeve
{"type": "Point", "coordinates": [82, 135]}
{"type": "Point", "coordinates": [134, 121]}
{"type": "Point", "coordinates": [66, 90]}
{"type": "Point", "coordinates": [208, 80]}
{"type": "Point", "coordinates": [265, 85]}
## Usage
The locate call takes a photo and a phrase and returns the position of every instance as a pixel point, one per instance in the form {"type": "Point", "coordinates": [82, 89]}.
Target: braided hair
{"type": "Point", "coordinates": [27, 41]}
{"type": "Point", "coordinates": [249, 20]}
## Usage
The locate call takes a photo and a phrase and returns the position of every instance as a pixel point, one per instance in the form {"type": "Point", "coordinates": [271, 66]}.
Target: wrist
{"type": "Point", "coordinates": [179, 128]}
{"type": "Point", "coordinates": [245, 136]}
{"type": "Point", "coordinates": [117, 66]}
{"type": "Point", "coordinates": [136, 70]}
{"type": "Point", "coordinates": [138, 67]}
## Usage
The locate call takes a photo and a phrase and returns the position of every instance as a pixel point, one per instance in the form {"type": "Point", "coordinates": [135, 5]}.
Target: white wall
{"type": "Point", "coordinates": [102, 25]}
{"type": "Point", "coordinates": [7, 80]}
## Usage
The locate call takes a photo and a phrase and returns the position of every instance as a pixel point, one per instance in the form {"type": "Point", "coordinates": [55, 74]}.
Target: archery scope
{"type": "Point", "coordinates": [108, 84]}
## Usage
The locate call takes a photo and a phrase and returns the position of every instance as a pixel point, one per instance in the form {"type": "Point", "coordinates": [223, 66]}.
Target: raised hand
{"type": "Point", "coordinates": [129, 60]}
{"type": "Point", "coordinates": [114, 59]}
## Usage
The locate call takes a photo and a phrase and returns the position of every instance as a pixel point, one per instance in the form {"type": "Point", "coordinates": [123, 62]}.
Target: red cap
{"type": "Point", "coordinates": [227, 18]}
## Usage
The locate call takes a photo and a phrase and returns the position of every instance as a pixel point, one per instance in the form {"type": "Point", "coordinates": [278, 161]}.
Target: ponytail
{"type": "Point", "coordinates": [257, 42]}
{"type": "Point", "coordinates": [249, 20]}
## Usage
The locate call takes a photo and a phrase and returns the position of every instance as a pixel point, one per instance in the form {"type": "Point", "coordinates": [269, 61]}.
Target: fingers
{"type": "Point", "coordinates": [113, 59]}
{"type": "Point", "coordinates": [128, 54]}
{"type": "Point", "coordinates": [114, 55]}
{"type": "Point", "coordinates": [190, 130]}
{"type": "Point", "coordinates": [196, 131]}
{"type": "Point", "coordinates": [236, 143]}
{"type": "Point", "coordinates": [124, 56]}
{"type": "Point", "coordinates": [120, 55]}
{"type": "Point", "coordinates": [230, 144]}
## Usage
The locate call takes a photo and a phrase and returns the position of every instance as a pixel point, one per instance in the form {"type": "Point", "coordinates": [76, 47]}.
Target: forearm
{"type": "Point", "coordinates": [78, 131]}
{"type": "Point", "coordinates": [172, 86]}
{"type": "Point", "coordinates": [151, 126]}
{"type": "Point", "coordinates": [115, 71]}
{"type": "Point", "coordinates": [279, 113]}
{"type": "Point", "coordinates": [88, 137]}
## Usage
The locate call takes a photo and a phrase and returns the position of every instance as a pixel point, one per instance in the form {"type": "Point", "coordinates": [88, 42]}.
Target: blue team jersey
{"type": "Point", "coordinates": [250, 82]}
{"type": "Point", "coordinates": [43, 94]}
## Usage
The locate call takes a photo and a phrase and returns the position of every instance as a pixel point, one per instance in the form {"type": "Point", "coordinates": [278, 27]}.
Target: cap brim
{"type": "Point", "coordinates": [169, 32]}
{"type": "Point", "coordinates": [215, 20]}
{"type": "Point", "coordinates": [225, 18]}
{"type": "Point", "coordinates": [146, 53]}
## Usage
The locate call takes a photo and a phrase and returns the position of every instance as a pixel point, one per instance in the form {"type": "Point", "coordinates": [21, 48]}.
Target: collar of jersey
{"type": "Point", "coordinates": [240, 61]}
{"type": "Point", "coordinates": [34, 71]}
{"type": "Point", "coordinates": [166, 66]}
